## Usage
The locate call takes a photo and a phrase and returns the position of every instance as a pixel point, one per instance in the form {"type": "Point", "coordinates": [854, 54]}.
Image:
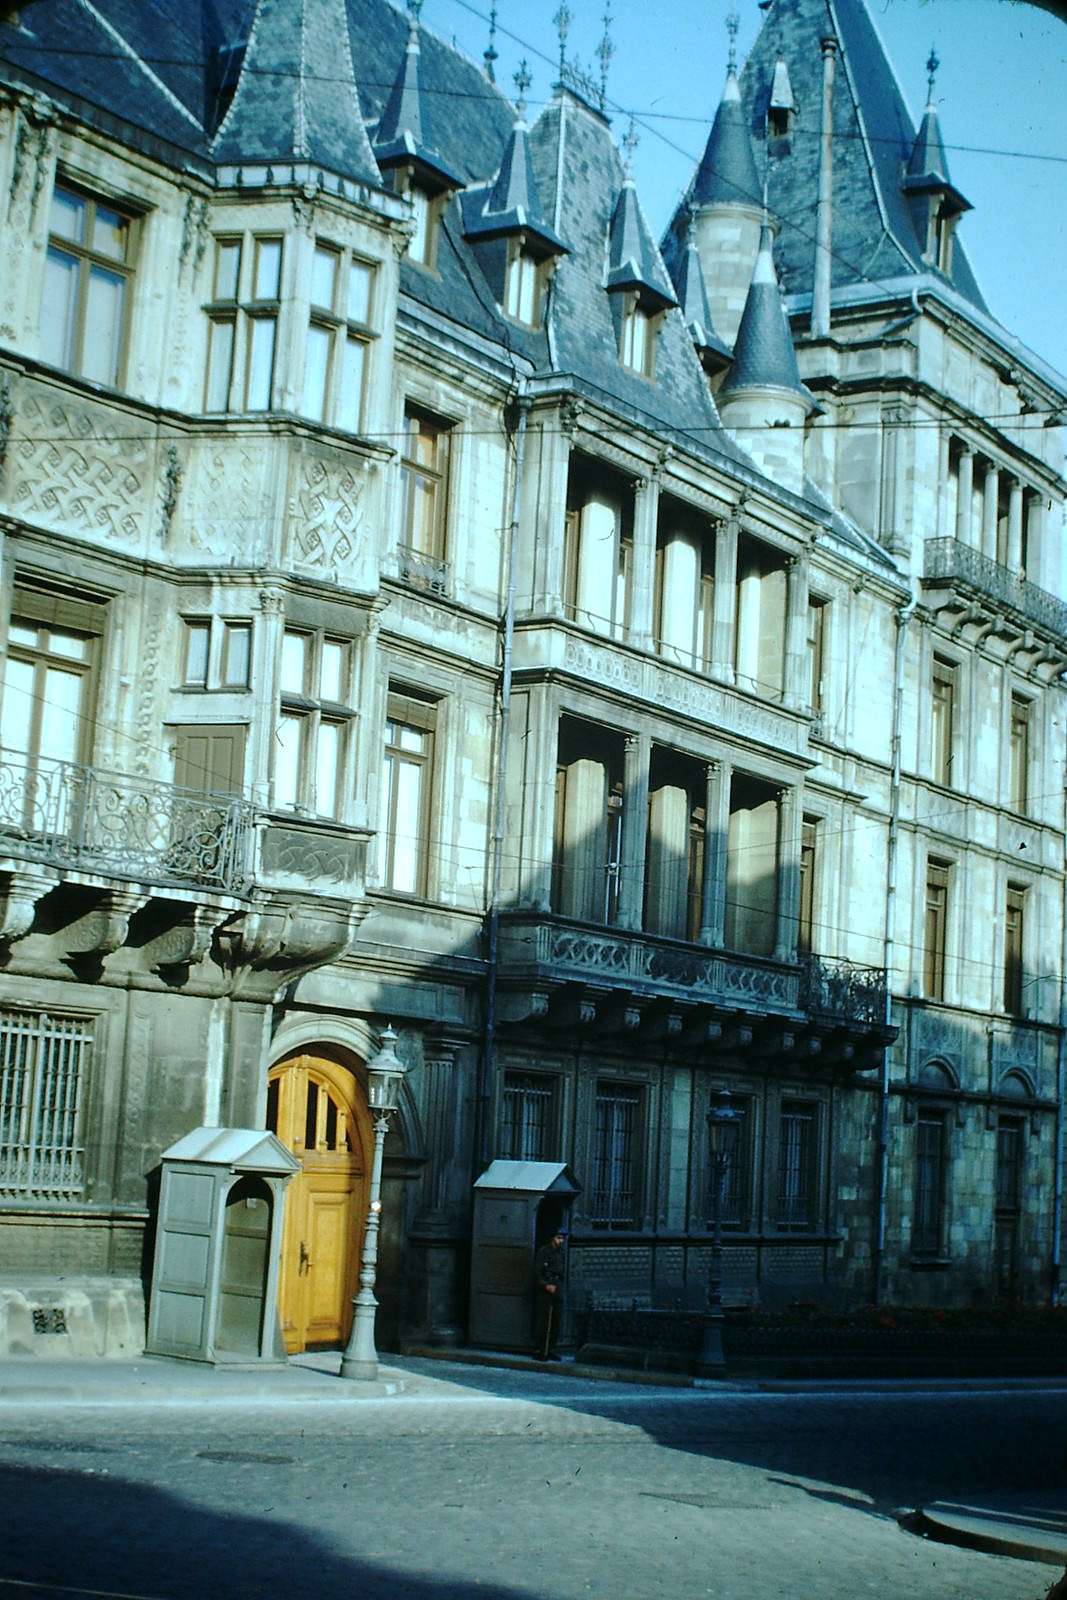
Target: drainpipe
{"type": "Point", "coordinates": [903, 617]}
{"type": "Point", "coordinates": [820, 294]}
{"type": "Point", "coordinates": [493, 927]}
{"type": "Point", "coordinates": [1061, 1050]}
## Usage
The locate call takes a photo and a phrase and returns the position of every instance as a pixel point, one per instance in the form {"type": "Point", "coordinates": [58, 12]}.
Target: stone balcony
{"type": "Point", "coordinates": [573, 976]}
{"type": "Point", "coordinates": [94, 862]}
{"type": "Point", "coordinates": [958, 578]}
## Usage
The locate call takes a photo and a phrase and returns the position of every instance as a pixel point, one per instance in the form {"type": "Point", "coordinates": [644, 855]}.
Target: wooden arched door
{"type": "Point", "coordinates": [317, 1110]}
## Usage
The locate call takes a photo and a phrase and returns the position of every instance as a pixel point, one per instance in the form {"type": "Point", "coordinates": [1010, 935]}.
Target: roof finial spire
{"type": "Point", "coordinates": [630, 143]}
{"type": "Point", "coordinates": [491, 53]}
{"type": "Point", "coordinates": [414, 9]}
{"type": "Point", "coordinates": [605, 53]}
{"type": "Point", "coordinates": [562, 19]}
{"type": "Point", "coordinates": [523, 81]}
{"type": "Point", "coordinates": [932, 64]}
{"type": "Point", "coordinates": [733, 24]}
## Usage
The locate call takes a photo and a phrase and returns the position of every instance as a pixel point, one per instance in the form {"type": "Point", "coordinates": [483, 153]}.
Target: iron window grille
{"type": "Point", "coordinates": [614, 1197]}
{"type": "Point", "coordinates": [44, 1065]}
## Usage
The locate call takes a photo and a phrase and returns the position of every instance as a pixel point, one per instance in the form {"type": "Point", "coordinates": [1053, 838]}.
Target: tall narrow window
{"type": "Point", "coordinates": [806, 899]}
{"type": "Point", "coordinates": [243, 317]}
{"type": "Point", "coordinates": [942, 720]}
{"type": "Point", "coordinates": [423, 494]}
{"type": "Point", "coordinates": [407, 768]}
{"type": "Point", "coordinates": [797, 1171]}
{"type": "Point", "coordinates": [638, 335]}
{"type": "Point", "coordinates": [222, 324]}
{"type": "Point", "coordinates": [934, 930]}
{"type": "Point", "coordinates": [522, 286]}
{"type": "Point", "coordinates": [615, 1146]}
{"type": "Point", "coordinates": [1013, 949]}
{"type": "Point", "coordinates": [527, 1129]}
{"type": "Point", "coordinates": [337, 338]}
{"type": "Point", "coordinates": [1008, 1196]}
{"type": "Point", "coordinates": [1018, 753]}
{"type": "Point", "coordinates": [587, 858]}
{"type": "Point", "coordinates": [263, 324]}
{"type": "Point", "coordinates": [44, 1064]}
{"type": "Point", "coordinates": [736, 1193]}
{"type": "Point", "coordinates": [815, 645]}
{"type": "Point", "coordinates": [314, 718]}
{"type": "Point", "coordinates": [88, 273]}
{"type": "Point", "coordinates": [927, 1227]}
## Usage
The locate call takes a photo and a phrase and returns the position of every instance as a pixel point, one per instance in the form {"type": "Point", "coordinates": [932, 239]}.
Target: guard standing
{"type": "Point", "coordinates": [549, 1269]}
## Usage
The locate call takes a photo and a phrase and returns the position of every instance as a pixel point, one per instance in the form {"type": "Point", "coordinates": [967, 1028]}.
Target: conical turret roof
{"type": "Point", "coordinates": [693, 299]}
{"type": "Point", "coordinates": [727, 173]}
{"type": "Point", "coordinates": [928, 165]}
{"type": "Point", "coordinates": [764, 357]}
{"type": "Point", "coordinates": [296, 98]}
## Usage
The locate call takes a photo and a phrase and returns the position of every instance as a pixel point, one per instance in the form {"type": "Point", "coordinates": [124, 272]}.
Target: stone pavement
{"type": "Point", "coordinates": [1031, 1527]}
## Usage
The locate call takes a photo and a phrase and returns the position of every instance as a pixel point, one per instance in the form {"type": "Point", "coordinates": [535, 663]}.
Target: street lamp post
{"type": "Point", "coordinates": [385, 1072]}
{"type": "Point", "coordinates": [711, 1362]}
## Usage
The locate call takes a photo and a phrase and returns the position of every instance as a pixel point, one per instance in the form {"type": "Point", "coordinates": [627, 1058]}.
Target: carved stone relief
{"type": "Point", "coordinates": [74, 470]}
{"type": "Point", "coordinates": [324, 515]}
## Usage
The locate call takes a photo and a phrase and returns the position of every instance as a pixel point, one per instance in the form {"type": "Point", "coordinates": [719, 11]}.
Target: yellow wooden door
{"type": "Point", "coordinates": [317, 1110]}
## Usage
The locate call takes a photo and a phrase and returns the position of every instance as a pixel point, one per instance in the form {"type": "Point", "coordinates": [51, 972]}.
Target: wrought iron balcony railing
{"type": "Point", "coordinates": [76, 817]}
{"type": "Point", "coordinates": [949, 560]}
{"type": "Point", "coordinates": [422, 571]}
{"type": "Point", "coordinates": [833, 988]}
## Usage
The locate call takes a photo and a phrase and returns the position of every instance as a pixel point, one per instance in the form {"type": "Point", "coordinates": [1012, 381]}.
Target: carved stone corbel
{"type": "Point", "coordinates": [188, 942]}
{"type": "Point", "coordinates": [103, 929]}
{"type": "Point", "coordinates": [19, 895]}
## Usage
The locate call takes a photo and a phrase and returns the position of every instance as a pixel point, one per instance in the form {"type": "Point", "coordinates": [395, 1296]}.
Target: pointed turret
{"type": "Point", "coordinates": [296, 103]}
{"type": "Point", "coordinates": [762, 400]}
{"type": "Point", "coordinates": [633, 260]}
{"type": "Point", "coordinates": [516, 246]}
{"type": "Point", "coordinates": [725, 201]}
{"type": "Point", "coordinates": [936, 203]}
{"type": "Point", "coordinates": [689, 284]}
{"type": "Point", "coordinates": [404, 138]}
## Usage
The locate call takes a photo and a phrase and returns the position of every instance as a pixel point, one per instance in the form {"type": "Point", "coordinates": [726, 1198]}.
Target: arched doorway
{"type": "Point", "coordinates": [319, 1112]}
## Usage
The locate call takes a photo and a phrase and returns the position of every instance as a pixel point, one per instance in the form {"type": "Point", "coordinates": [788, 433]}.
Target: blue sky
{"type": "Point", "coordinates": [1000, 93]}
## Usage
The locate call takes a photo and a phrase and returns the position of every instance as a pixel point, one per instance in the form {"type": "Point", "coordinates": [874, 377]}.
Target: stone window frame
{"type": "Point", "coordinates": [343, 330]}
{"type": "Point", "coordinates": [89, 259]}
{"type": "Point", "coordinates": [244, 303]}
{"type": "Point", "coordinates": [311, 709]}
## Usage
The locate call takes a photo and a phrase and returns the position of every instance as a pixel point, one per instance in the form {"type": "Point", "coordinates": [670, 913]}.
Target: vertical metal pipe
{"type": "Point", "coordinates": [820, 294]}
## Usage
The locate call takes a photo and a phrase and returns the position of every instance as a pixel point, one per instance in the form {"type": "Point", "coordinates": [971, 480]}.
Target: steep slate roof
{"type": "Point", "coordinates": [296, 98]}
{"type": "Point", "coordinates": [764, 357]}
{"type": "Point", "coordinates": [633, 260]}
{"type": "Point", "coordinates": [874, 231]}
{"type": "Point", "coordinates": [583, 333]}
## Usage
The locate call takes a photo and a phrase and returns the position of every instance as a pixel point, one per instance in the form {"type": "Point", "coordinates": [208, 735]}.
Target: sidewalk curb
{"type": "Point", "coordinates": [1029, 1529]}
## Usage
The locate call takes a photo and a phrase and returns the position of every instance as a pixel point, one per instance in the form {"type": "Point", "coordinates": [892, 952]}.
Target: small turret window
{"type": "Point", "coordinates": [639, 332]}
{"type": "Point", "coordinates": [522, 287]}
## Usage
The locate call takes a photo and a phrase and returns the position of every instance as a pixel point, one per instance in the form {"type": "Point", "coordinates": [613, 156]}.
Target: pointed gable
{"type": "Point", "coordinates": [296, 100]}
{"type": "Point", "coordinates": [512, 204]}
{"type": "Point", "coordinates": [405, 131]}
{"type": "Point", "coordinates": [633, 260]}
{"type": "Point", "coordinates": [693, 299]}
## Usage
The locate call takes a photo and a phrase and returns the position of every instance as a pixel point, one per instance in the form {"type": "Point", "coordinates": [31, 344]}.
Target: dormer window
{"type": "Point", "coordinates": [638, 336]}
{"type": "Point", "coordinates": [523, 283]}
{"type": "Point", "coordinates": [427, 208]}
{"type": "Point", "coordinates": [942, 231]}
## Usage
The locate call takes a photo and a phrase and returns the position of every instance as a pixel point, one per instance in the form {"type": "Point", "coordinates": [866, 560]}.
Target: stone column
{"type": "Point", "coordinates": [724, 605]}
{"type": "Point", "coordinates": [634, 830]}
{"type": "Point", "coordinates": [789, 816]}
{"type": "Point", "coordinates": [668, 862]}
{"type": "Point", "coordinates": [1015, 529]}
{"type": "Point", "coordinates": [965, 491]}
{"type": "Point", "coordinates": [990, 507]}
{"type": "Point", "coordinates": [796, 633]}
{"type": "Point", "coordinates": [544, 494]}
{"type": "Point", "coordinates": [584, 842]}
{"type": "Point", "coordinates": [534, 758]}
{"type": "Point", "coordinates": [598, 563]}
{"type": "Point", "coordinates": [646, 515]}
{"type": "Point", "coordinates": [1037, 554]}
{"type": "Point", "coordinates": [717, 826]}
{"type": "Point", "coordinates": [680, 591]}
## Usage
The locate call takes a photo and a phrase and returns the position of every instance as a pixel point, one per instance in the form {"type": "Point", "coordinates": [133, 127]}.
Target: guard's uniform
{"type": "Point", "coordinates": [549, 1268]}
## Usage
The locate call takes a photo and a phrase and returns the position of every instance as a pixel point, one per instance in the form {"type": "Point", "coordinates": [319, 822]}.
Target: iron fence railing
{"type": "Point", "coordinates": [77, 817]}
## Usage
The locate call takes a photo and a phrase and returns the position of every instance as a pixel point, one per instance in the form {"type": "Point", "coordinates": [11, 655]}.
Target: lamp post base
{"type": "Point", "coordinates": [711, 1362]}
{"type": "Point", "coordinates": [360, 1359]}
{"type": "Point", "coordinates": [361, 1371]}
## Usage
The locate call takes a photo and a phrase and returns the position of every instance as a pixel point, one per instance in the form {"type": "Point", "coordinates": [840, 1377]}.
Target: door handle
{"type": "Point", "coordinates": [305, 1259]}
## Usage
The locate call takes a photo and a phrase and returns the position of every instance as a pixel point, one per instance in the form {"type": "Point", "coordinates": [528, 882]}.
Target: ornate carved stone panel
{"type": "Point", "coordinates": [73, 467]}
{"type": "Point", "coordinates": [325, 519]}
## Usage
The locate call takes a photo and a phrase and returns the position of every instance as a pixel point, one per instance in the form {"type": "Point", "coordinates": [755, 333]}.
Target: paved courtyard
{"type": "Point", "coordinates": [507, 1484]}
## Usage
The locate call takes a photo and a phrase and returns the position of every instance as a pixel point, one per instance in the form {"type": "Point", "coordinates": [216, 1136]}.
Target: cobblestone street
{"type": "Point", "coordinates": [518, 1484]}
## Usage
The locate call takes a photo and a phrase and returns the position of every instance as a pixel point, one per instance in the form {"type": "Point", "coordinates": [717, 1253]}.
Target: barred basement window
{"type": "Point", "coordinates": [44, 1064]}
{"type": "Point", "coordinates": [798, 1131]}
